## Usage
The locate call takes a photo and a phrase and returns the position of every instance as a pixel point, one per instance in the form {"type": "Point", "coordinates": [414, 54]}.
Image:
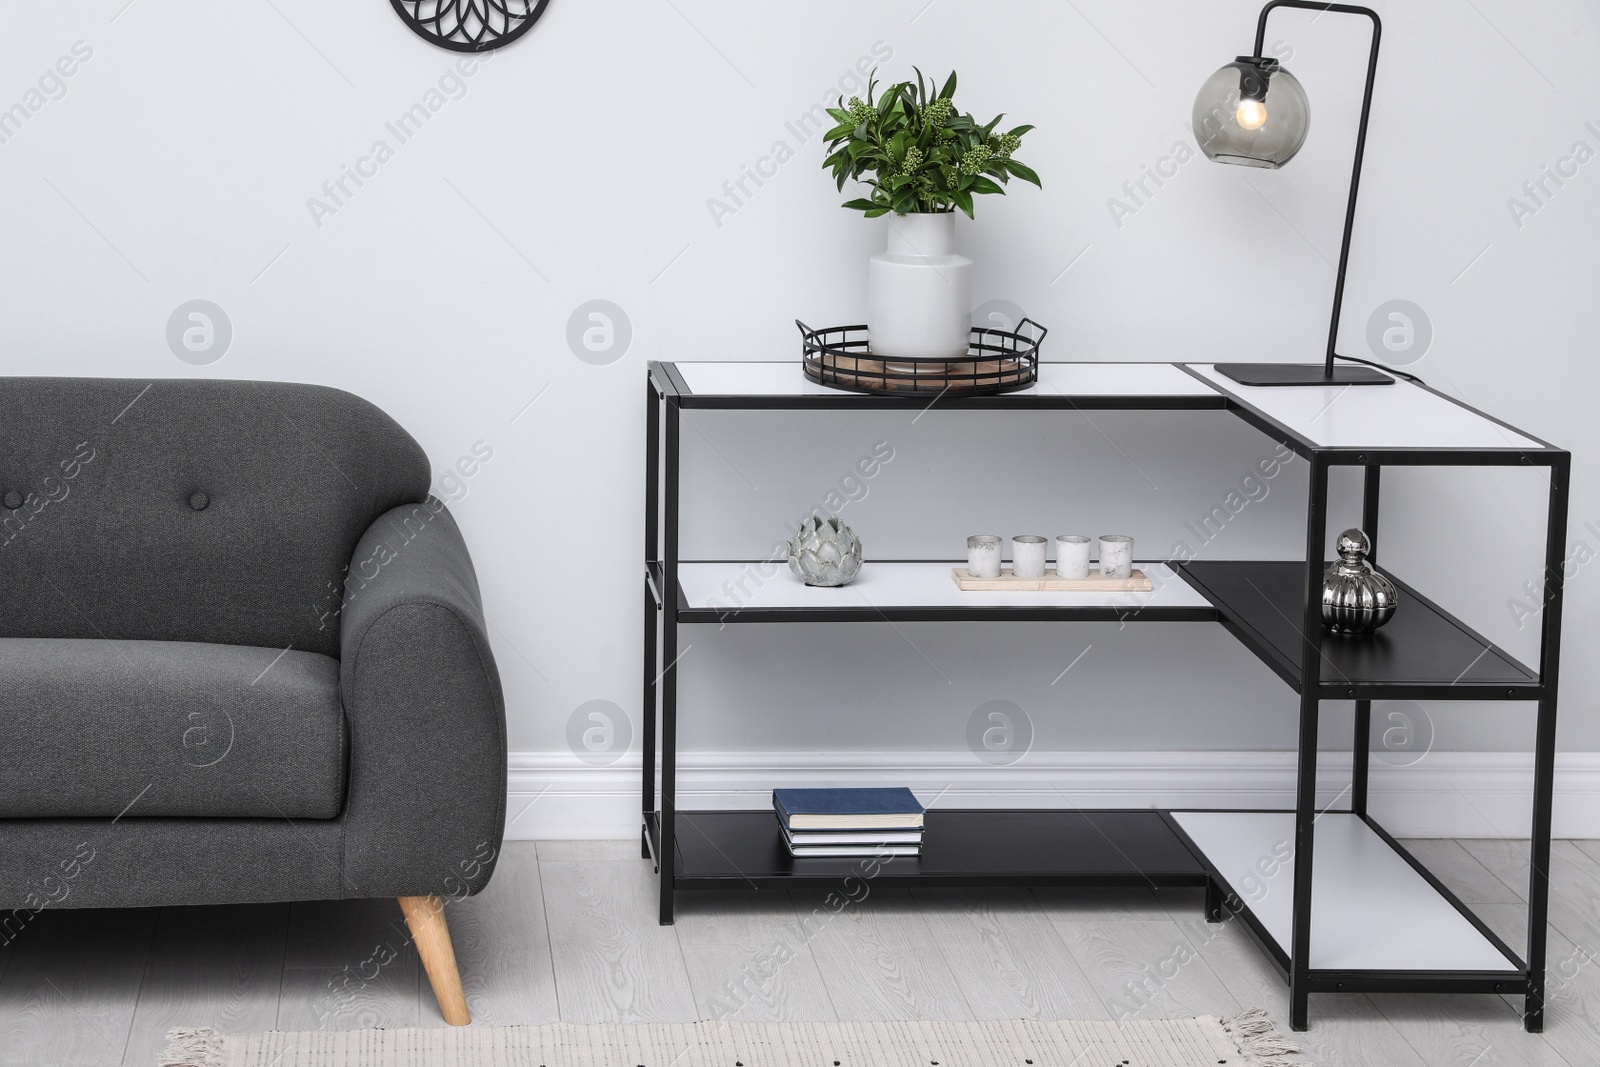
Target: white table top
{"type": "Point", "coordinates": [1397, 416]}
{"type": "Point", "coordinates": [1055, 379]}
{"type": "Point", "coordinates": [1401, 415]}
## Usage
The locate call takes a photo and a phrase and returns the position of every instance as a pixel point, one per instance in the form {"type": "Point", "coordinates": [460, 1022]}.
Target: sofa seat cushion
{"type": "Point", "coordinates": [144, 729]}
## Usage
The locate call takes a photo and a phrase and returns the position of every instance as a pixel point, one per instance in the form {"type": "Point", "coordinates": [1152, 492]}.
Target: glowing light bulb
{"type": "Point", "coordinates": [1252, 114]}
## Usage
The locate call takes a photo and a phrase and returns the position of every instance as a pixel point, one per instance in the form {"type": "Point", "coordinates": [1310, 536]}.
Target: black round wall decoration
{"type": "Point", "coordinates": [470, 25]}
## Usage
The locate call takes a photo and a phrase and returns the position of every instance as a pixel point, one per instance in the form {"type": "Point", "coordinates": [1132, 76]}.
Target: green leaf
{"type": "Point", "coordinates": [949, 90]}
{"type": "Point", "coordinates": [963, 201]}
{"type": "Point", "coordinates": [1023, 172]}
{"type": "Point", "coordinates": [1018, 131]}
{"type": "Point", "coordinates": [983, 185]}
{"type": "Point", "coordinates": [877, 211]}
{"type": "Point", "coordinates": [860, 204]}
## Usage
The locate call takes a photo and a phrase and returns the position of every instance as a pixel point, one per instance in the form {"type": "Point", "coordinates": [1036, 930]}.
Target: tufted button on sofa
{"type": "Point", "coordinates": [245, 658]}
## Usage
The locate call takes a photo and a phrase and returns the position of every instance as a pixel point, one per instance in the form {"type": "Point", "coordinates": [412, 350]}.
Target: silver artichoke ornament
{"type": "Point", "coordinates": [1355, 598]}
{"type": "Point", "coordinates": [826, 552]}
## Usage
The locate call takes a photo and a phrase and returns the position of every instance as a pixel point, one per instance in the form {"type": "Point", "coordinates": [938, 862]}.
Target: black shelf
{"type": "Point", "coordinates": [1423, 653]}
{"type": "Point", "coordinates": [732, 849]}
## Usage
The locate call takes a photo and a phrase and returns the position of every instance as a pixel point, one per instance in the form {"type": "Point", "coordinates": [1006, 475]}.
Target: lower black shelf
{"type": "Point", "coordinates": [744, 849]}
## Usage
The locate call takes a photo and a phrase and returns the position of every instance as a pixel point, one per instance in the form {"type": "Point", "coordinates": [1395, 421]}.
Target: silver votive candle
{"type": "Point", "coordinates": [1072, 556]}
{"type": "Point", "coordinates": [1116, 556]}
{"type": "Point", "coordinates": [1027, 555]}
{"type": "Point", "coordinates": [983, 555]}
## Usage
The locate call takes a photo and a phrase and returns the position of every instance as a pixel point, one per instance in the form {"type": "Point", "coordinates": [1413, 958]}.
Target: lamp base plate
{"type": "Point", "coordinates": [1302, 374]}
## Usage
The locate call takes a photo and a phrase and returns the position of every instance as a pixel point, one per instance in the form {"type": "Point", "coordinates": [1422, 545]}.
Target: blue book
{"type": "Point", "coordinates": [847, 809]}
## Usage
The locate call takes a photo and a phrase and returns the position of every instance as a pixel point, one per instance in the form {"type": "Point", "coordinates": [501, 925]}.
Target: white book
{"type": "Point", "coordinates": [880, 837]}
{"type": "Point", "coordinates": [863, 851]}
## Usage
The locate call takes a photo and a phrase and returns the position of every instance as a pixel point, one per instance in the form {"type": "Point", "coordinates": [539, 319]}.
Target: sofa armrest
{"type": "Point", "coordinates": [426, 795]}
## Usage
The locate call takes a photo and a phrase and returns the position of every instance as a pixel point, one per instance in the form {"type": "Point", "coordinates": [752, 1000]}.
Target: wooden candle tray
{"type": "Point", "coordinates": [1138, 582]}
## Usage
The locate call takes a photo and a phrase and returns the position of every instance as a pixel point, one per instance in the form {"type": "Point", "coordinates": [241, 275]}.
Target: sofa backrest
{"type": "Point", "coordinates": [190, 510]}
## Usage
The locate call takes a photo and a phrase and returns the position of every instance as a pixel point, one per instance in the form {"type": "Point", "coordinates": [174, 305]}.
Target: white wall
{"type": "Point", "coordinates": [581, 163]}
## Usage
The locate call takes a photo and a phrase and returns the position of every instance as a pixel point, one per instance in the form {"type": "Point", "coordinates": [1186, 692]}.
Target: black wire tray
{"type": "Point", "coordinates": [997, 361]}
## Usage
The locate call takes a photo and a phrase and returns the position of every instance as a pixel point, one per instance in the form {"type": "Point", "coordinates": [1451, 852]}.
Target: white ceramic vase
{"type": "Point", "coordinates": [919, 292]}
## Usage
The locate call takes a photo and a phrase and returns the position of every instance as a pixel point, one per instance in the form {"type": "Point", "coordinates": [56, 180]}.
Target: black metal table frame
{"type": "Point", "coordinates": [664, 608]}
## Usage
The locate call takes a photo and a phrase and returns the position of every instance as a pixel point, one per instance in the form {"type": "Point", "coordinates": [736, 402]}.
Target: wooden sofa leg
{"type": "Point", "coordinates": [425, 917]}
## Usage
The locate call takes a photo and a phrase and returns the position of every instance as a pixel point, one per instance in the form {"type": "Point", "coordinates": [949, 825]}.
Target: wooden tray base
{"type": "Point", "coordinates": [1138, 582]}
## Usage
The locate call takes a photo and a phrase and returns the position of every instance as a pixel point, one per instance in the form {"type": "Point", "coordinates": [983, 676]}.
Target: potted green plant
{"type": "Point", "coordinates": [923, 160]}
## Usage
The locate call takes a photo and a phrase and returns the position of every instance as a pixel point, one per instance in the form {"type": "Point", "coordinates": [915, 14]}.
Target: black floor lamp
{"type": "Point", "coordinates": [1254, 113]}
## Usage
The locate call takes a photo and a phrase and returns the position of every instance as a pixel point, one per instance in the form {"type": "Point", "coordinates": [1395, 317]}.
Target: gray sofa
{"type": "Point", "coordinates": [244, 658]}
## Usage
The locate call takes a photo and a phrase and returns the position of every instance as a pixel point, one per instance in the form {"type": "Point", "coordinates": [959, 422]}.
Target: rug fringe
{"type": "Point", "coordinates": [1256, 1038]}
{"type": "Point", "coordinates": [193, 1047]}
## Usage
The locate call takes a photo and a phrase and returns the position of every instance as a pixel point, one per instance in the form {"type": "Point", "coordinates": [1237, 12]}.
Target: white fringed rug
{"type": "Point", "coordinates": [1246, 1040]}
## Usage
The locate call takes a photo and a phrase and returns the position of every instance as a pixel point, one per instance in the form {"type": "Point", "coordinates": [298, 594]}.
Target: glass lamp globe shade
{"type": "Point", "coordinates": [1251, 112]}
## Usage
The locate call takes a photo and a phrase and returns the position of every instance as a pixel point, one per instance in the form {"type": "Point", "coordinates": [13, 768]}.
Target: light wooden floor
{"type": "Point", "coordinates": [567, 931]}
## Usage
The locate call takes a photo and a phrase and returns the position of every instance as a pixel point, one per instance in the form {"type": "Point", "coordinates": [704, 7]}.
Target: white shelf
{"type": "Point", "coordinates": [1401, 415]}
{"type": "Point", "coordinates": [888, 585]}
{"type": "Point", "coordinates": [1055, 379]}
{"type": "Point", "coordinates": [1371, 910]}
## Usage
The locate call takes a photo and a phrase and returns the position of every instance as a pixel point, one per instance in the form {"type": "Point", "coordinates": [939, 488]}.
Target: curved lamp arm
{"type": "Point", "coordinates": [1361, 141]}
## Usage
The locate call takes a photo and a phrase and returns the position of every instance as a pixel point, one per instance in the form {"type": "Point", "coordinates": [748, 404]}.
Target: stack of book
{"type": "Point", "coordinates": [849, 822]}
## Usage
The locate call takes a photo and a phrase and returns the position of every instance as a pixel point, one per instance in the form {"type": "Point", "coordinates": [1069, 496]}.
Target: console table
{"type": "Point", "coordinates": [1361, 914]}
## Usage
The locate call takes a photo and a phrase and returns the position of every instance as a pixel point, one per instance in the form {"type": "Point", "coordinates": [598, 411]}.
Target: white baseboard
{"type": "Point", "coordinates": [1443, 794]}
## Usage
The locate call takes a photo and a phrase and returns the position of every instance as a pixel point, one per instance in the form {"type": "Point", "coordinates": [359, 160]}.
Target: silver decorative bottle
{"type": "Point", "coordinates": [1355, 598]}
